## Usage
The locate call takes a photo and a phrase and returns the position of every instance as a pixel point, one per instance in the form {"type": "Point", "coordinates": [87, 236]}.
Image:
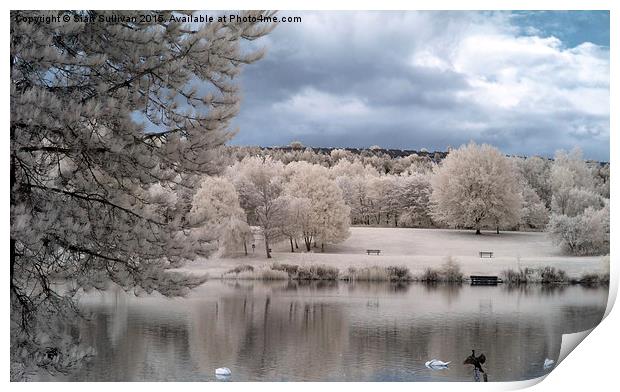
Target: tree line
{"type": "Point", "coordinates": [300, 195]}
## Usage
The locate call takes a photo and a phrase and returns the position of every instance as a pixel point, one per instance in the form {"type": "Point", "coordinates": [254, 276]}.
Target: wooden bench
{"type": "Point", "coordinates": [481, 280]}
{"type": "Point", "coordinates": [486, 254]}
{"type": "Point", "coordinates": [375, 251]}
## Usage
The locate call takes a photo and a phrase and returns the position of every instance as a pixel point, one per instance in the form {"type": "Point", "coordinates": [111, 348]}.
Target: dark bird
{"type": "Point", "coordinates": [477, 361]}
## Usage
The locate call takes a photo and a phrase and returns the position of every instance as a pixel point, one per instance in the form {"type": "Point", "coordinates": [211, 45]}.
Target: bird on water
{"type": "Point", "coordinates": [477, 362]}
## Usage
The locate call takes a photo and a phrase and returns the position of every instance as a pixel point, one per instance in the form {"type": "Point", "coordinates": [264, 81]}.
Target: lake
{"type": "Point", "coordinates": [331, 331]}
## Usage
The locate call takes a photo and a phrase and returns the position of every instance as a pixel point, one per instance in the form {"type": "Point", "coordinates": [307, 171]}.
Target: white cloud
{"type": "Point", "coordinates": [433, 77]}
{"type": "Point", "coordinates": [320, 106]}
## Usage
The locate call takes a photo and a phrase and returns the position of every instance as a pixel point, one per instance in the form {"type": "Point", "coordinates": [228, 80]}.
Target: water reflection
{"type": "Point", "coordinates": [333, 331]}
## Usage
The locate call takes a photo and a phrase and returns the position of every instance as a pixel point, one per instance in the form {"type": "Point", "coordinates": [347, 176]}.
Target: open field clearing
{"type": "Point", "coordinates": [418, 249]}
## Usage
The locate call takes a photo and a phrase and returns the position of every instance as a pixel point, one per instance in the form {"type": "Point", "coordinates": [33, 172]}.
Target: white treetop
{"type": "Point", "coordinates": [476, 186]}
{"type": "Point", "coordinates": [259, 182]}
{"type": "Point", "coordinates": [535, 172]}
{"type": "Point", "coordinates": [216, 215]}
{"type": "Point", "coordinates": [327, 219]}
{"type": "Point", "coordinates": [583, 234]}
{"type": "Point", "coordinates": [412, 195]}
{"type": "Point", "coordinates": [572, 184]}
{"type": "Point", "coordinates": [580, 210]}
{"type": "Point", "coordinates": [295, 217]}
{"type": "Point", "coordinates": [534, 214]}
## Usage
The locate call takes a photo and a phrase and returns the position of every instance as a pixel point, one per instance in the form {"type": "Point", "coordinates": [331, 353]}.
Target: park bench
{"type": "Point", "coordinates": [375, 251]}
{"type": "Point", "coordinates": [481, 280]}
{"type": "Point", "coordinates": [486, 254]}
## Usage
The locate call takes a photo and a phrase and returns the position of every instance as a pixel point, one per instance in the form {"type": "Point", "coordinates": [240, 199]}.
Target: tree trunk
{"type": "Point", "coordinates": [245, 247]}
{"type": "Point", "coordinates": [296, 246]}
{"type": "Point", "coordinates": [12, 261]}
{"type": "Point", "coordinates": [322, 247]}
{"type": "Point", "coordinates": [477, 231]}
{"type": "Point", "coordinates": [267, 247]}
{"type": "Point", "coordinates": [498, 230]}
{"type": "Point", "coordinates": [291, 240]}
{"type": "Point", "coordinates": [308, 242]}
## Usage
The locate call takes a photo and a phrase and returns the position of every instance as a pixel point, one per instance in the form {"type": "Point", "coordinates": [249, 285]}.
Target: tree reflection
{"type": "Point", "coordinates": [338, 331]}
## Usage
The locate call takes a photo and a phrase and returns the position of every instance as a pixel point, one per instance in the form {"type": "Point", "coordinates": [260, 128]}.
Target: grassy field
{"type": "Point", "coordinates": [418, 249]}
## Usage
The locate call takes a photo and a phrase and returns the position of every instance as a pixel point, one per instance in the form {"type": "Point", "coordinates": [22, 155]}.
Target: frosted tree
{"type": "Point", "coordinates": [536, 173]}
{"type": "Point", "coordinates": [353, 168]}
{"type": "Point", "coordinates": [580, 214]}
{"type": "Point", "coordinates": [327, 220]}
{"type": "Point", "coordinates": [534, 213]}
{"type": "Point", "coordinates": [216, 216]}
{"type": "Point", "coordinates": [355, 194]}
{"type": "Point", "coordinates": [297, 210]}
{"type": "Point", "coordinates": [419, 164]}
{"type": "Point", "coordinates": [601, 177]}
{"type": "Point", "coordinates": [353, 179]}
{"type": "Point", "coordinates": [108, 119]}
{"type": "Point", "coordinates": [413, 197]}
{"type": "Point", "coordinates": [476, 186]}
{"type": "Point", "coordinates": [259, 183]}
{"type": "Point", "coordinates": [382, 202]}
{"type": "Point", "coordinates": [296, 145]}
{"type": "Point", "coordinates": [338, 154]}
{"type": "Point", "coordinates": [572, 184]}
{"type": "Point", "coordinates": [583, 234]}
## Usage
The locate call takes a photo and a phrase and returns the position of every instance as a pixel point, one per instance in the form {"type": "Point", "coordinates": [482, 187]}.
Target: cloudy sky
{"type": "Point", "coordinates": [528, 82]}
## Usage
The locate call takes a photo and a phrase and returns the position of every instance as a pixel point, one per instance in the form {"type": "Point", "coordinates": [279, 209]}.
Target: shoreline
{"type": "Point", "coordinates": [417, 250]}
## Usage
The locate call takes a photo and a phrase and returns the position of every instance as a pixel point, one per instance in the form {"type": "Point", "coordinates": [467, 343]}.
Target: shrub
{"type": "Point", "coordinates": [240, 268]}
{"type": "Point", "coordinates": [528, 275]}
{"type": "Point", "coordinates": [349, 274]}
{"type": "Point", "coordinates": [523, 275]}
{"type": "Point", "coordinates": [367, 274]}
{"type": "Point", "coordinates": [269, 274]}
{"type": "Point", "coordinates": [260, 274]}
{"type": "Point", "coordinates": [593, 279]}
{"type": "Point", "coordinates": [326, 272]}
{"type": "Point", "coordinates": [429, 275]}
{"type": "Point", "coordinates": [378, 274]}
{"type": "Point", "coordinates": [290, 269]}
{"type": "Point", "coordinates": [317, 272]}
{"type": "Point", "coordinates": [398, 273]}
{"type": "Point", "coordinates": [451, 271]}
{"type": "Point", "coordinates": [551, 275]}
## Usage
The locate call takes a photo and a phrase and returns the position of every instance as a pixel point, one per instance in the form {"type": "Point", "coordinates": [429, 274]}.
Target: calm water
{"type": "Point", "coordinates": [286, 331]}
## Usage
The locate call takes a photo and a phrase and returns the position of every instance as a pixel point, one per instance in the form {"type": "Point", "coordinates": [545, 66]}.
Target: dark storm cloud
{"type": "Point", "coordinates": [425, 80]}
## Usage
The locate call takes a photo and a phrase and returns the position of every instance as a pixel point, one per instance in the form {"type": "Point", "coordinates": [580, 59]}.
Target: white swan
{"type": "Point", "coordinates": [223, 371]}
{"type": "Point", "coordinates": [437, 364]}
{"type": "Point", "coordinates": [548, 363]}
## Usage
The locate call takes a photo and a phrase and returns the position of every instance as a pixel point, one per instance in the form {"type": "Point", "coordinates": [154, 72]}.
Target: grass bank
{"type": "Point", "coordinates": [448, 272]}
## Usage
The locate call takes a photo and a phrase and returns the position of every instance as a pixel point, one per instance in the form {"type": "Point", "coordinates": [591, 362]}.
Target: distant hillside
{"type": "Point", "coordinates": [391, 152]}
{"type": "Point", "coordinates": [435, 156]}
